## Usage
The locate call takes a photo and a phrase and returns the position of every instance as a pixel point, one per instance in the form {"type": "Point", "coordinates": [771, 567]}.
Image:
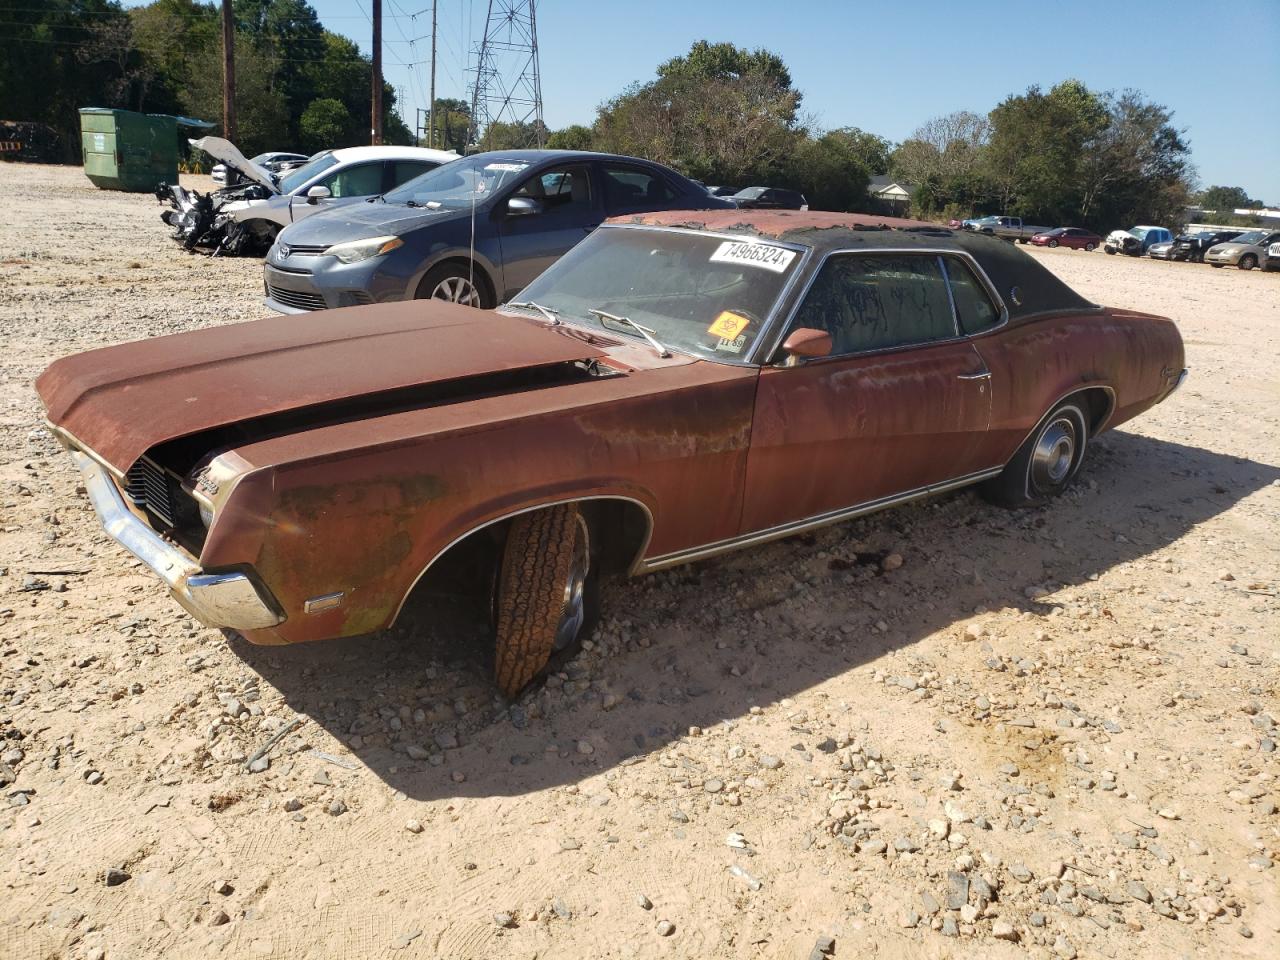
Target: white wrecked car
{"type": "Point", "coordinates": [245, 219]}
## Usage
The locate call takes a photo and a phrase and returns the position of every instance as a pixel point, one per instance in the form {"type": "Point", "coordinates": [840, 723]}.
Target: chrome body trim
{"type": "Point", "coordinates": [942, 252]}
{"type": "Point", "coordinates": [327, 601]}
{"type": "Point", "coordinates": [1102, 425]}
{"type": "Point", "coordinates": [1182, 378]}
{"type": "Point", "coordinates": [811, 523]}
{"type": "Point", "coordinates": [636, 567]}
{"type": "Point", "coordinates": [229, 600]}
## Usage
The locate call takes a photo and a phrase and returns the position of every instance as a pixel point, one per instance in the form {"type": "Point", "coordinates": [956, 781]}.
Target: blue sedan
{"type": "Point", "coordinates": [473, 231]}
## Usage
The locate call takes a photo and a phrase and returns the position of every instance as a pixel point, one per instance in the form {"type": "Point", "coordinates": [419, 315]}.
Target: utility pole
{"type": "Point", "coordinates": [228, 72]}
{"type": "Point", "coordinates": [376, 129]}
{"type": "Point", "coordinates": [431, 108]}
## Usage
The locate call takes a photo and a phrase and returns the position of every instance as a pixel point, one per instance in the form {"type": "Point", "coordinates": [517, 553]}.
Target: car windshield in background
{"type": "Point", "coordinates": [459, 183]}
{"type": "Point", "coordinates": [751, 193]}
{"type": "Point", "coordinates": [297, 178]}
{"type": "Point", "coordinates": [1253, 236]}
{"type": "Point", "coordinates": [1139, 232]}
{"type": "Point", "coordinates": [704, 295]}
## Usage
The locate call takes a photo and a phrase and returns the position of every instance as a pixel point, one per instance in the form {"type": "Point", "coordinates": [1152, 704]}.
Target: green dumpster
{"type": "Point", "coordinates": [124, 150]}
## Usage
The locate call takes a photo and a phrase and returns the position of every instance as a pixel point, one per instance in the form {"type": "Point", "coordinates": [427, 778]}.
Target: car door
{"type": "Point", "coordinates": [900, 404]}
{"type": "Point", "coordinates": [345, 184]}
{"type": "Point", "coordinates": [566, 208]}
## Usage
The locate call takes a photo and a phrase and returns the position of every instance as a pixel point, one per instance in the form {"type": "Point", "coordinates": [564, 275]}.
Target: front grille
{"type": "Point", "coordinates": [151, 489]}
{"type": "Point", "coordinates": [297, 299]}
{"type": "Point", "coordinates": [306, 249]}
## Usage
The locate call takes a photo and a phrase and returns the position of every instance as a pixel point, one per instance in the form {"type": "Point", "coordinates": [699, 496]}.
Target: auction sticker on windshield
{"type": "Point", "coordinates": [728, 325]}
{"type": "Point", "coordinates": [763, 255]}
{"type": "Point", "coordinates": [506, 167]}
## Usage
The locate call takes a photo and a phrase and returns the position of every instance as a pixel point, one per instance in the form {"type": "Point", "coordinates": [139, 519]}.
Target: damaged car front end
{"type": "Point", "coordinates": [201, 222]}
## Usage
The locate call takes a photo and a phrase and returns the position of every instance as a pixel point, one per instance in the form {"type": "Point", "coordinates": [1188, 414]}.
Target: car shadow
{"type": "Point", "coordinates": [702, 643]}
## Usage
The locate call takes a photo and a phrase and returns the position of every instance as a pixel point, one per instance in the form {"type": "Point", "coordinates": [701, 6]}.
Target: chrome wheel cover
{"type": "Point", "coordinates": [575, 588]}
{"type": "Point", "coordinates": [457, 290]}
{"type": "Point", "coordinates": [1054, 454]}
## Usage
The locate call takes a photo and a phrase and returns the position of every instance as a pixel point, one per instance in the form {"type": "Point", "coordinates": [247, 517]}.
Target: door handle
{"type": "Point", "coordinates": [984, 375]}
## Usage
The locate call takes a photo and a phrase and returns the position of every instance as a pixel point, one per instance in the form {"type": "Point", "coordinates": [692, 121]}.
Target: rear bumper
{"type": "Point", "coordinates": [230, 600]}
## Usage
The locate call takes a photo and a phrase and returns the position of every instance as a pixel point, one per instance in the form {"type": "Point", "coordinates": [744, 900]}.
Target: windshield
{"type": "Point", "coordinates": [459, 183]}
{"type": "Point", "coordinates": [699, 294]}
{"type": "Point", "coordinates": [751, 193]}
{"type": "Point", "coordinates": [1253, 236]}
{"type": "Point", "coordinates": [1139, 232]}
{"type": "Point", "coordinates": [317, 164]}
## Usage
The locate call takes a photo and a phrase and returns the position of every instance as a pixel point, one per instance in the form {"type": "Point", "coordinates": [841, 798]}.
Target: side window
{"type": "Point", "coordinates": [874, 302]}
{"type": "Point", "coordinates": [560, 188]}
{"type": "Point", "coordinates": [402, 171]}
{"type": "Point", "coordinates": [630, 188]}
{"type": "Point", "coordinates": [974, 308]}
{"type": "Point", "coordinates": [361, 180]}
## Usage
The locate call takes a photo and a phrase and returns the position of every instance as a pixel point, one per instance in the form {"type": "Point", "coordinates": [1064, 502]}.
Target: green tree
{"type": "Point", "coordinates": [324, 123]}
{"type": "Point", "coordinates": [1226, 199]}
{"type": "Point", "coordinates": [262, 116]}
{"type": "Point", "coordinates": [830, 172]}
{"type": "Point", "coordinates": [719, 114]}
{"type": "Point", "coordinates": [573, 137]}
{"type": "Point", "coordinates": [871, 151]}
{"type": "Point", "coordinates": [1037, 149]}
{"type": "Point", "coordinates": [452, 119]}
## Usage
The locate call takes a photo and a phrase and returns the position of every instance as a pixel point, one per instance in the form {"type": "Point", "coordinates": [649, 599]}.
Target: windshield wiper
{"type": "Point", "coordinates": [644, 331]}
{"type": "Point", "coordinates": [552, 315]}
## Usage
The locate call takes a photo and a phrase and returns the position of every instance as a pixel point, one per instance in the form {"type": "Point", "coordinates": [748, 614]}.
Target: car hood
{"type": "Point", "coordinates": [1231, 247]}
{"type": "Point", "coordinates": [120, 401]}
{"type": "Point", "coordinates": [356, 221]}
{"type": "Point", "coordinates": [226, 151]}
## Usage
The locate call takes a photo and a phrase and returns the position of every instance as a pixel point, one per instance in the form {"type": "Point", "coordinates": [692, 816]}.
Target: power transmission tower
{"type": "Point", "coordinates": [508, 86]}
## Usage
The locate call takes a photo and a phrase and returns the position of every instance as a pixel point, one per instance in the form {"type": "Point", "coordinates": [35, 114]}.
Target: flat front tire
{"type": "Point", "coordinates": [544, 600]}
{"type": "Point", "coordinates": [1046, 463]}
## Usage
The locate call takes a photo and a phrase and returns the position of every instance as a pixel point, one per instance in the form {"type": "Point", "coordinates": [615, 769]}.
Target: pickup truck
{"type": "Point", "coordinates": [1007, 228]}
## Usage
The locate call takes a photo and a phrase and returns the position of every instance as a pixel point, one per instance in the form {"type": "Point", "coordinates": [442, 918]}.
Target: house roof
{"type": "Point", "coordinates": [882, 182]}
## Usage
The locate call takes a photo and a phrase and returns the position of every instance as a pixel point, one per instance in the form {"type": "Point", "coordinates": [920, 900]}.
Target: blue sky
{"type": "Point", "coordinates": [888, 67]}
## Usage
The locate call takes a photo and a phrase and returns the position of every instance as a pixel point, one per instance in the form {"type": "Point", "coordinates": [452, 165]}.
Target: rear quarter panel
{"type": "Point", "coordinates": [1036, 362]}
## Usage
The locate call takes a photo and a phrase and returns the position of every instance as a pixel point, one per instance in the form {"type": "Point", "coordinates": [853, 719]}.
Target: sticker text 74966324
{"type": "Point", "coordinates": [751, 253]}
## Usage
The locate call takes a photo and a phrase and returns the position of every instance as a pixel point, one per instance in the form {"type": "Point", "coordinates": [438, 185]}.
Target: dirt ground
{"type": "Point", "coordinates": [1048, 733]}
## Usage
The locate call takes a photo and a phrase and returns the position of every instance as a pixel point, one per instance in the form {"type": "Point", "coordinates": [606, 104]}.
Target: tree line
{"type": "Point", "coordinates": [299, 86]}
{"type": "Point", "coordinates": [721, 114]}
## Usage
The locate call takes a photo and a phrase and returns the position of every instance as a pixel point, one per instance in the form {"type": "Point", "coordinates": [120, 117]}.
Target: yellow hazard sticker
{"type": "Point", "coordinates": [728, 325]}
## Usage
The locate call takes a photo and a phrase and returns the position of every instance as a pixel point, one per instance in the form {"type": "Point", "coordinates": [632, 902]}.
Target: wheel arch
{"type": "Point", "coordinates": [620, 525]}
{"type": "Point", "coordinates": [485, 271]}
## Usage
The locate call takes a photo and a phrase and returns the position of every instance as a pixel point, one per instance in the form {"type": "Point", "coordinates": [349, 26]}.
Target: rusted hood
{"type": "Point", "coordinates": [120, 401]}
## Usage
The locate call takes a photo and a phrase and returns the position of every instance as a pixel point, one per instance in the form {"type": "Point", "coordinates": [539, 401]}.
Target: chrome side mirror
{"type": "Point", "coordinates": [523, 207]}
{"type": "Point", "coordinates": [318, 192]}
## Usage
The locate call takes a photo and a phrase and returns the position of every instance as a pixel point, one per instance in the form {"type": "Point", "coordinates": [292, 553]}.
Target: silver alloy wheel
{"type": "Point", "coordinates": [457, 290]}
{"type": "Point", "coordinates": [575, 589]}
{"type": "Point", "coordinates": [1054, 455]}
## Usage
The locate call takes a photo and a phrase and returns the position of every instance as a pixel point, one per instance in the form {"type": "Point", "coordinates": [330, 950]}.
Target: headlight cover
{"type": "Point", "coordinates": [354, 251]}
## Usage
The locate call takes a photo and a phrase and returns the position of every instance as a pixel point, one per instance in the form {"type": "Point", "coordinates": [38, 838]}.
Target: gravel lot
{"type": "Point", "coordinates": [1049, 733]}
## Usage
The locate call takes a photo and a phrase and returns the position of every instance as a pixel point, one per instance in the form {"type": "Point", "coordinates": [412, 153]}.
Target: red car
{"type": "Point", "coordinates": [1072, 237]}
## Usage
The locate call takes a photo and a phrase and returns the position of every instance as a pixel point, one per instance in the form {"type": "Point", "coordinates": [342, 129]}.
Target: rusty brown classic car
{"type": "Point", "coordinates": [679, 385]}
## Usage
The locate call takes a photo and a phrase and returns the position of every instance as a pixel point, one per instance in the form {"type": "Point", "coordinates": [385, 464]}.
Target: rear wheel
{"type": "Point", "coordinates": [1053, 243]}
{"type": "Point", "coordinates": [545, 597]}
{"type": "Point", "coordinates": [1046, 463]}
{"type": "Point", "coordinates": [1247, 262]}
{"type": "Point", "coordinates": [1090, 247]}
{"type": "Point", "coordinates": [456, 284]}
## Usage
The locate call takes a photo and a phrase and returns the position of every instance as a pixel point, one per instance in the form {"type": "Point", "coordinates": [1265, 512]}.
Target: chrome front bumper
{"type": "Point", "coordinates": [229, 600]}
